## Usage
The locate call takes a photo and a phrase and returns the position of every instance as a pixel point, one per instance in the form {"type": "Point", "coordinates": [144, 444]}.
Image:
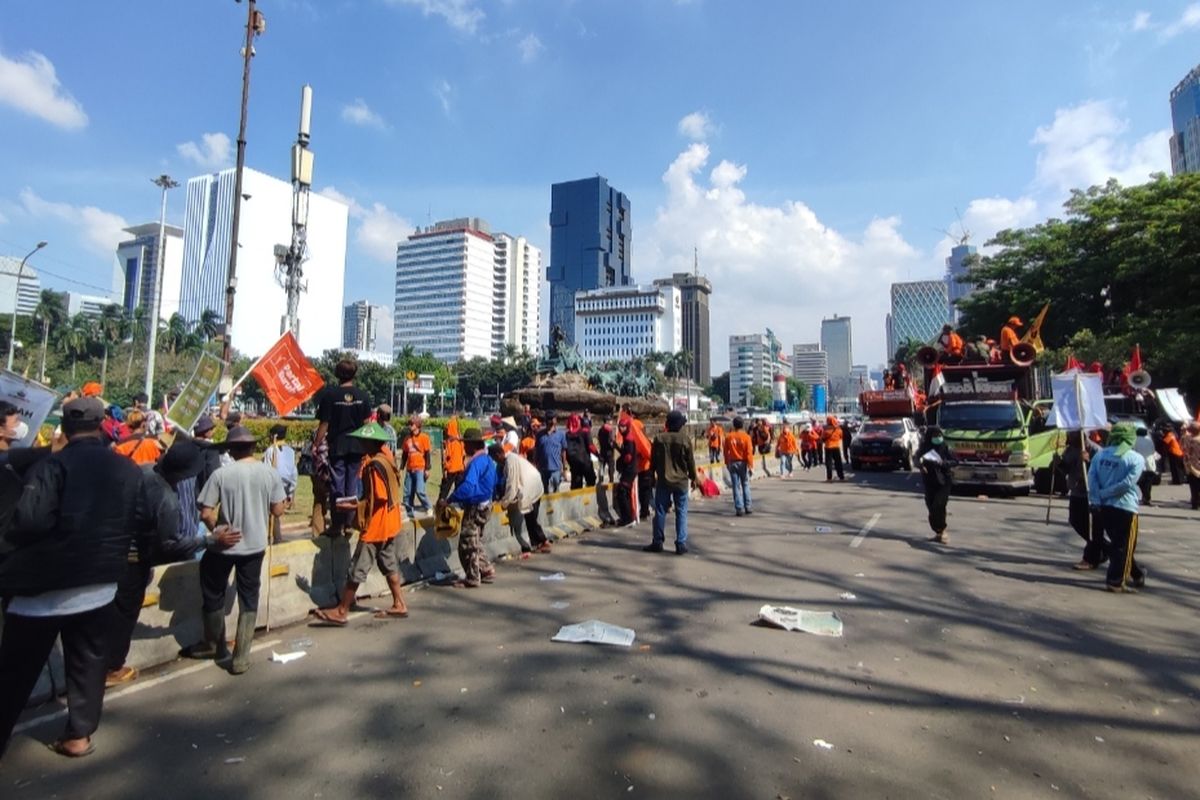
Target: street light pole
{"type": "Point", "coordinates": [12, 330]}
{"type": "Point", "coordinates": [164, 182]}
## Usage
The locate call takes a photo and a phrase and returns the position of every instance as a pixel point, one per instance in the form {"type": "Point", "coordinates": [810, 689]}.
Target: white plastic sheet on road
{"type": "Point", "coordinates": [819, 623]}
{"type": "Point", "coordinates": [595, 632]}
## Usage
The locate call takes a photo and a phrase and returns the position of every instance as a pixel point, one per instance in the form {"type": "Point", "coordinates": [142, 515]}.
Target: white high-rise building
{"type": "Point", "coordinates": [446, 291]}
{"type": "Point", "coordinates": [30, 289]}
{"type": "Point", "coordinates": [623, 322]}
{"type": "Point", "coordinates": [836, 342]}
{"type": "Point", "coordinates": [517, 290]}
{"type": "Point", "coordinates": [752, 362]}
{"type": "Point", "coordinates": [367, 327]}
{"type": "Point", "coordinates": [810, 365]}
{"type": "Point", "coordinates": [137, 261]}
{"type": "Point", "coordinates": [260, 304]}
{"type": "Point", "coordinates": [90, 305]}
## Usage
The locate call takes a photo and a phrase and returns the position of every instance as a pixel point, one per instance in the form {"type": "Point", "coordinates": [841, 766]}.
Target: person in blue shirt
{"type": "Point", "coordinates": [282, 458]}
{"type": "Point", "coordinates": [550, 448]}
{"type": "Point", "coordinates": [474, 495]}
{"type": "Point", "coordinates": [1113, 490]}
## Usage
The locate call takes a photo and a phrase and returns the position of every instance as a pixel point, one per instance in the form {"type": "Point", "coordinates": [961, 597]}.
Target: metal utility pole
{"type": "Point", "coordinates": [256, 24]}
{"type": "Point", "coordinates": [289, 272]}
{"type": "Point", "coordinates": [165, 183]}
{"type": "Point", "coordinates": [12, 329]}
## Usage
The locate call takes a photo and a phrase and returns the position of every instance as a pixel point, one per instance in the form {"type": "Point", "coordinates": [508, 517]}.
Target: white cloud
{"type": "Point", "coordinates": [1189, 20]}
{"type": "Point", "coordinates": [445, 95]}
{"type": "Point", "coordinates": [379, 228]}
{"type": "Point", "coordinates": [776, 266]}
{"type": "Point", "coordinates": [100, 230]}
{"type": "Point", "coordinates": [214, 152]}
{"type": "Point", "coordinates": [1141, 21]}
{"type": "Point", "coordinates": [1084, 147]}
{"type": "Point", "coordinates": [530, 46]}
{"type": "Point", "coordinates": [359, 113]}
{"type": "Point", "coordinates": [30, 84]}
{"type": "Point", "coordinates": [463, 15]}
{"type": "Point", "coordinates": [332, 193]}
{"type": "Point", "coordinates": [983, 218]}
{"type": "Point", "coordinates": [696, 126]}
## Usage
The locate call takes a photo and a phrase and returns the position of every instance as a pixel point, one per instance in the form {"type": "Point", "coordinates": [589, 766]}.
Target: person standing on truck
{"type": "Point", "coordinates": [1076, 457]}
{"type": "Point", "coordinates": [951, 345]}
{"type": "Point", "coordinates": [935, 463]}
{"type": "Point", "coordinates": [1008, 336]}
{"type": "Point", "coordinates": [832, 439]}
{"type": "Point", "coordinates": [1112, 488]}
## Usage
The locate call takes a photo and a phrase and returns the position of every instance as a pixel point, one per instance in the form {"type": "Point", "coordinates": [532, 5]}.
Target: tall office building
{"type": "Point", "coordinates": [30, 290]}
{"type": "Point", "coordinates": [836, 342]}
{"type": "Point", "coordinates": [887, 336]}
{"type": "Point", "coordinates": [1185, 124]}
{"type": "Point", "coordinates": [266, 221]}
{"type": "Point", "coordinates": [919, 310]}
{"type": "Point", "coordinates": [90, 305]}
{"type": "Point", "coordinates": [957, 263]}
{"type": "Point", "coordinates": [624, 322]}
{"type": "Point", "coordinates": [137, 261]}
{"type": "Point", "coordinates": [517, 288]}
{"type": "Point", "coordinates": [860, 379]}
{"type": "Point", "coordinates": [694, 291]}
{"type": "Point", "coordinates": [590, 239]}
{"type": "Point", "coordinates": [810, 365]}
{"type": "Point", "coordinates": [754, 360]}
{"type": "Point", "coordinates": [366, 327]}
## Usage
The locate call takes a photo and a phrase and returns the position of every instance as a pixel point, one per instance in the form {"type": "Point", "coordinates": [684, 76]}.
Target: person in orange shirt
{"type": "Point", "coordinates": [715, 434]}
{"type": "Point", "coordinates": [739, 461]}
{"type": "Point", "coordinates": [786, 448]}
{"type": "Point", "coordinates": [379, 519]}
{"type": "Point", "coordinates": [1008, 336]}
{"type": "Point", "coordinates": [453, 459]}
{"type": "Point", "coordinates": [952, 346]}
{"type": "Point", "coordinates": [418, 452]}
{"type": "Point", "coordinates": [139, 446]}
{"type": "Point", "coordinates": [528, 441]}
{"type": "Point", "coordinates": [833, 449]}
{"type": "Point", "coordinates": [1174, 451]}
{"type": "Point", "coordinates": [808, 447]}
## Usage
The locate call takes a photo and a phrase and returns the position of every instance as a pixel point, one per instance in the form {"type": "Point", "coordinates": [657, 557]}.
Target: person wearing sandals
{"type": "Point", "coordinates": [474, 496]}
{"type": "Point", "coordinates": [379, 519]}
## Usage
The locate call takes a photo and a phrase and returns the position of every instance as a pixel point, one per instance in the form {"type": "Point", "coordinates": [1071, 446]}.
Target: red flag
{"type": "Point", "coordinates": [1073, 363]}
{"type": "Point", "coordinates": [1135, 361]}
{"type": "Point", "coordinates": [285, 375]}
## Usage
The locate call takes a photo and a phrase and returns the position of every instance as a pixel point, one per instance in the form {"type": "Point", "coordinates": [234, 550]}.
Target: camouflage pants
{"type": "Point", "coordinates": [470, 542]}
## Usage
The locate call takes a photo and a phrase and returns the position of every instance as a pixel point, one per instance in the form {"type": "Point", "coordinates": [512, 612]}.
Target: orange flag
{"type": "Point", "coordinates": [285, 375]}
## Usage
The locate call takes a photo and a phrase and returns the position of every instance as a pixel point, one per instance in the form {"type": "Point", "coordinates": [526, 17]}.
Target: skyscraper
{"type": "Point", "coordinates": [137, 260]}
{"type": "Point", "coordinates": [366, 327]}
{"type": "Point", "coordinates": [836, 342]}
{"type": "Point", "coordinates": [266, 221]}
{"type": "Point", "coordinates": [957, 264]}
{"type": "Point", "coordinates": [30, 289]}
{"type": "Point", "coordinates": [753, 361]}
{"type": "Point", "coordinates": [694, 293]}
{"type": "Point", "coordinates": [590, 238]}
{"type": "Point", "coordinates": [626, 322]}
{"type": "Point", "coordinates": [518, 290]}
{"type": "Point", "coordinates": [919, 310]}
{"type": "Point", "coordinates": [810, 365]}
{"type": "Point", "coordinates": [1185, 124]}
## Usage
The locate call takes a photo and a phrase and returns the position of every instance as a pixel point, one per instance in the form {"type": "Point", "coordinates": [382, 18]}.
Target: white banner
{"type": "Point", "coordinates": [1078, 401]}
{"type": "Point", "coordinates": [1170, 402]}
{"type": "Point", "coordinates": [31, 398]}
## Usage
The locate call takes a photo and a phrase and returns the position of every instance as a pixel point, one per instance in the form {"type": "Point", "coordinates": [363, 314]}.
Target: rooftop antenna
{"type": "Point", "coordinates": [696, 262]}
{"type": "Point", "coordinates": [289, 271]}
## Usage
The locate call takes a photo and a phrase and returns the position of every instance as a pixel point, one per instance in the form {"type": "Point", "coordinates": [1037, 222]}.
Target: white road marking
{"type": "Point", "coordinates": [137, 687]}
{"type": "Point", "coordinates": [862, 534]}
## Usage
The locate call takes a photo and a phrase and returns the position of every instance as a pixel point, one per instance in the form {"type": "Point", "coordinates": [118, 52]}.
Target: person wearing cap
{"type": "Point", "coordinates": [202, 435]}
{"type": "Point", "coordinates": [1113, 490]}
{"type": "Point", "coordinates": [242, 497]}
{"type": "Point", "coordinates": [282, 458]}
{"type": "Point", "coordinates": [511, 437]}
{"type": "Point", "coordinates": [453, 458]}
{"type": "Point", "coordinates": [70, 533]}
{"type": "Point", "coordinates": [1008, 336]}
{"type": "Point", "coordinates": [832, 439]}
{"type": "Point", "coordinates": [380, 521]}
{"type": "Point", "coordinates": [674, 471]}
{"type": "Point", "coordinates": [341, 409]}
{"type": "Point", "coordinates": [739, 461]}
{"type": "Point", "coordinates": [417, 449]}
{"type": "Point", "coordinates": [474, 496]}
{"type": "Point", "coordinates": [935, 462]}
{"type": "Point", "coordinates": [139, 446]}
{"type": "Point", "coordinates": [522, 499]}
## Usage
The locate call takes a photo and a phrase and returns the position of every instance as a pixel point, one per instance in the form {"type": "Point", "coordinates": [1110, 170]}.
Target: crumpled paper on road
{"type": "Point", "coordinates": [819, 623]}
{"type": "Point", "coordinates": [595, 632]}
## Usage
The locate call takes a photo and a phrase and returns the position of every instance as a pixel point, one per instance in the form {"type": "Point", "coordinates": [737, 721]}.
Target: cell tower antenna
{"type": "Point", "coordinates": [289, 270]}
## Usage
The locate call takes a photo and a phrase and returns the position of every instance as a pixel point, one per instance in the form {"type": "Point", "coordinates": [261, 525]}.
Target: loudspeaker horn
{"type": "Point", "coordinates": [1139, 379]}
{"type": "Point", "coordinates": [1023, 354]}
{"type": "Point", "coordinates": [927, 356]}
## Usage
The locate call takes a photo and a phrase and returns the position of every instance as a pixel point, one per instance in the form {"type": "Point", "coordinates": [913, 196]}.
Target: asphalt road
{"type": "Point", "coordinates": [984, 669]}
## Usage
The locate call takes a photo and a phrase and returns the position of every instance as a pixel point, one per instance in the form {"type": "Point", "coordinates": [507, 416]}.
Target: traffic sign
{"type": "Point", "coordinates": [410, 375]}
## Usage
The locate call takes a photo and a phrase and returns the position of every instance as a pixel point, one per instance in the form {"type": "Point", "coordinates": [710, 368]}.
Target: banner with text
{"type": "Point", "coordinates": [197, 393]}
{"type": "Point", "coordinates": [33, 401]}
{"type": "Point", "coordinates": [285, 375]}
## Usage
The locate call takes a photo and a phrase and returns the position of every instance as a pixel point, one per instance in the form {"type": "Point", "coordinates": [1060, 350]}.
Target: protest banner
{"type": "Point", "coordinates": [197, 393]}
{"type": "Point", "coordinates": [286, 377]}
{"type": "Point", "coordinates": [33, 401]}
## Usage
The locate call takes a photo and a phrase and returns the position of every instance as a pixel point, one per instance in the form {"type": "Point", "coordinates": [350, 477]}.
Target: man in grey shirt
{"type": "Point", "coordinates": [237, 505]}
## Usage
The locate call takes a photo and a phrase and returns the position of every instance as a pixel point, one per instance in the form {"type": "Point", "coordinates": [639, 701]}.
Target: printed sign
{"type": "Point", "coordinates": [33, 400]}
{"type": "Point", "coordinates": [286, 377]}
{"type": "Point", "coordinates": [1078, 401]}
{"type": "Point", "coordinates": [197, 392]}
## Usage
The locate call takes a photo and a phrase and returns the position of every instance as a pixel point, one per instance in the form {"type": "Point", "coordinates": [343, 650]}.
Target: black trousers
{"type": "Point", "coordinates": [936, 500]}
{"type": "Point", "coordinates": [1194, 486]}
{"type": "Point", "coordinates": [131, 592]}
{"type": "Point", "coordinates": [450, 481]}
{"type": "Point", "coordinates": [214, 580]}
{"type": "Point", "coordinates": [537, 536]}
{"type": "Point", "coordinates": [623, 500]}
{"type": "Point", "coordinates": [1121, 530]}
{"type": "Point", "coordinates": [714, 455]}
{"type": "Point", "coordinates": [26, 644]}
{"type": "Point", "coordinates": [1089, 528]}
{"type": "Point", "coordinates": [645, 491]}
{"type": "Point", "coordinates": [582, 473]}
{"type": "Point", "coordinates": [1146, 485]}
{"type": "Point", "coordinates": [1177, 469]}
{"type": "Point", "coordinates": [833, 460]}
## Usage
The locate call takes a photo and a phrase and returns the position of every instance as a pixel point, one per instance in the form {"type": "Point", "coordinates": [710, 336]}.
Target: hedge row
{"type": "Point", "coordinates": [301, 430]}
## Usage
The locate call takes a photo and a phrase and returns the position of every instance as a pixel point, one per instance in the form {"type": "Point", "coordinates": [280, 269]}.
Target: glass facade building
{"type": "Point", "coordinates": [1185, 124]}
{"type": "Point", "coordinates": [919, 310]}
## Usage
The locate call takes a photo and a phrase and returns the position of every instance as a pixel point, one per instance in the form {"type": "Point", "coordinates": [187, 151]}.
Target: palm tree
{"type": "Point", "coordinates": [209, 325]}
{"type": "Point", "coordinates": [174, 332]}
{"type": "Point", "coordinates": [110, 327]}
{"type": "Point", "coordinates": [509, 353]}
{"type": "Point", "coordinates": [76, 339]}
{"type": "Point", "coordinates": [48, 312]}
{"type": "Point", "coordinates": [136, 329]}
{"type": "Point", "coordinates": [679, 365]}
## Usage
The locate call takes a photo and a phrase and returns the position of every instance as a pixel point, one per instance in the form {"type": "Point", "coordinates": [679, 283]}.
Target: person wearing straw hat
{"type": "Point", "coordinates": [241, 498]}
{"type": "Point", "coordinates": [1113, 489]}
{"type": "Point", "coordinates": [380, 519]}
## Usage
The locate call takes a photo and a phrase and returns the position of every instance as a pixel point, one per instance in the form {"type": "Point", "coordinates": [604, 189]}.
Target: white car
{"type": "Point", "coordinates": [885, 443]}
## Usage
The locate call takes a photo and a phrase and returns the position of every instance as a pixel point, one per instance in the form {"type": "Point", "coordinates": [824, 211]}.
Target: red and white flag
{"type": "Point", "coordinates": [285, 375]}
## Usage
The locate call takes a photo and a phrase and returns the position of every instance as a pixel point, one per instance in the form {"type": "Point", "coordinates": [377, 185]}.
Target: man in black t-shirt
{"type": "Point", "coordinates": [342, 409]}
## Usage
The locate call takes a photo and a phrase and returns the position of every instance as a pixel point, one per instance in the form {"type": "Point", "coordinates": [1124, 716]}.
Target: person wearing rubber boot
{"type": "Point", "coordinates": [241, 497]}
{"type": "Point", "coordinates": [1113, 489]}
{"type": "Point", "coordinates": [379, 519]}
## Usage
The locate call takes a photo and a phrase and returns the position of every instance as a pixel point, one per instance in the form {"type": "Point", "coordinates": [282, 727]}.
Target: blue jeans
{"type": "Point", "coordinates": [551, 480]}
{"type": "Point", "coordinates": [414, 489]}
{"type": "Point", "coordinates": [664, 496]}
{"type": "Point", "coordinates": [739, 479]}
{"type": "Point", "coordinates": [346, 483]}
{"type": "Point", "coordinates": [785, 463]}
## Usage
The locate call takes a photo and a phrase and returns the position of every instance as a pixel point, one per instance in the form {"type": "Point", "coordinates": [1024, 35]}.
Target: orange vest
{"type": "Point", "coordinates": [1008, 339]}
{"type": "Point", "coordinates": [715, 434]}
{"type": "Point", "coordinates": [381, 501]}
{"type": "Point", "coordinates": [833, 436]}
{"type": "Point", "coordinates": [787, 443]}
{"type": "Point", "coordinates": [140, 449]}
{"type": "Point", "coordinates": [738, 447]}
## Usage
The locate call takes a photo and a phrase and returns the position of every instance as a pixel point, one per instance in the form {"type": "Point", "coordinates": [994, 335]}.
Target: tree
{"type": "Point", "coordinates": [719, 390]}
{"type": "Point", "coordinates": [760, 396]}
{"type": "Point", "coordinates": [76, 339]}
{"type": "Point", "coordinates": [50, 311]}
{"type": "Point", "coordinates": [209, 325]}
{"type": "Point", "coordinates": [173, 334]}
{"type": "Point", "coordinates": [109, 329]}
{"type": "Point", "coordinates": [135, 328]}
{"type": "Point", "coordinates": [797, 392]}
{"type": "Point", "coordinates": [906, 354]}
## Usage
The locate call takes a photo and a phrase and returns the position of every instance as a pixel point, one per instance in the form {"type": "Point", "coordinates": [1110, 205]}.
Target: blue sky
{"type": "Point", "coordinates": [812, 154]}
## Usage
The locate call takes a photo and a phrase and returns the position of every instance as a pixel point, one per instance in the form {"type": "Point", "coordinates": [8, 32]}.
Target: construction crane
{"type": "Point", "coordinates": [289, 268]}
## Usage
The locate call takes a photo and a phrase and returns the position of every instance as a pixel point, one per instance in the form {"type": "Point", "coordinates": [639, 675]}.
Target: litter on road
{"type": "Point", "coordinates": [284, 658]}
{"type": "Point", "coordinates": [595, 632]}
{"type": "Point", "coordinates": [848, 596]}
{"type": "Point", "coordinates": [820, 623]}
{"type": "Point", "coordinates": [823, 529]}
{"type": "Point", "coordinates": [821, 743]}
{"type": "Point", "coordinates": [560, 604]}
{"type": "Point", "coordinates": [557, 576]}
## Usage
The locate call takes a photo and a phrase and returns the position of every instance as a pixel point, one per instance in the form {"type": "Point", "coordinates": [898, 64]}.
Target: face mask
{"type": "Point", "coordinates": [937, 440]}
